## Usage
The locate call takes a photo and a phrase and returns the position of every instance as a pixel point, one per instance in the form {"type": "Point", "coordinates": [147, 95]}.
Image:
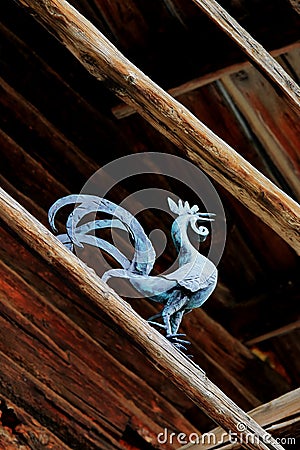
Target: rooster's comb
{"type": "Point", "coordinates": [182, 208]}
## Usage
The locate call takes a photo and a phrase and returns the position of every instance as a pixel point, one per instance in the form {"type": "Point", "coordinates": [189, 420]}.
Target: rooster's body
{"type": "Point", "coordinates": [186, 288]}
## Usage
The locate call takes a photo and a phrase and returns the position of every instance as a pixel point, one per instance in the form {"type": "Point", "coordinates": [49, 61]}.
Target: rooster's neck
{"type": "Point", "coordinates": [186, 251]}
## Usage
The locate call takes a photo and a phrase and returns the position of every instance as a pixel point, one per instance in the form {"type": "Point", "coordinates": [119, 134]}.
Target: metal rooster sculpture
{"type": "Point", "coordinates": [186, 288]}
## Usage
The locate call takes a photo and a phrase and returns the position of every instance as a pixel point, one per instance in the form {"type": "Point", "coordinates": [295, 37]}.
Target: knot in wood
{"type": "Point", "coordinates": [87, 58]}
{"type": "Point", "coordinates": [241, 75]}
{"type": "Point", "coordinates": [131, 79]}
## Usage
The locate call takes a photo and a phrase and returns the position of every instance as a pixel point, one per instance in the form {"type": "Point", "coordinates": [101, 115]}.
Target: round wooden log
{"type": "Point", "coordinates": [171, 118]}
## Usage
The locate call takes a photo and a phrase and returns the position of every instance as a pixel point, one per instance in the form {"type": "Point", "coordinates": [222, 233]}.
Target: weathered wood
{"type": "Point", "coordinates": [79, 376]}
{"type": "Point", "coordinates": [26, 433]}
{"type": "Point", "coordinates": [136, 132]}
{"type": "Point", "coordinates": [104, 61]}
{"type": "Point", "coordinates": [149, 28]}
{"type": "Point", "coordinates": [289, 428]}
{"type": "Point", "coordinates": [296, 5]}
{"type": "Point", "coordinates": [46, 148]}
{"type": "Point", "coordinates": [253, 49]}
{"type": "Point", "coordinates": [27, 202]}
{"type": "Point", "coordinates": [10, 442]}
{"type": "Point", "coordinates": [217, 110]}
{"type": "Point", "coordinates": [174, 30]}
{"type": "Point", "coordinates": [79, 429]}
{"type": "Point", "coordinates": [121, 111]}
{"type": "Point", "coordinates": [270, 120]}
{"type": "Point", "coordinates": [231, 365]}
{"type": "Point", "coordinates": [274, 412]}
{"type": "Point", "coordinates": [49, 285]}
{"type": "Point", "coordinates": [159, 351]}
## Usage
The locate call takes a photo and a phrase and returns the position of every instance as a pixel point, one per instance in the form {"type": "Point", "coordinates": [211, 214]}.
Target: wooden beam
{"type": "Point", "coordinates": [275, 412]}
{"type": "Point", "coordinates": [256, 52]}
{"type": "Point", "coordinates": [186, 375]}
{"type": "Point", "coordinates": [121, 111]}
{"type": "Point", "coordinates": [295, 5]}
{"type": "Point", "coordinates": [198, 142]}
{"type": "Point", "coordinates": [275, 333]}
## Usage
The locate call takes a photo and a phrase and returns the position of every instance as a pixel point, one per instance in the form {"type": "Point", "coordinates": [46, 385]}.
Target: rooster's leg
{"type": "Point", "coordinates": [172, 315]}
{"type": "Point", "coordinates": [175, 321]}
{"type": "Point", "coordinates": [176, 338]}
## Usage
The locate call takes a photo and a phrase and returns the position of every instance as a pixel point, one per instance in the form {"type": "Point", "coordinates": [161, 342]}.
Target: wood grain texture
{"type": "Point", "coordinates": [172, 32]}
{"type": "Point", "coordinates": [215, 346]}
{"type": "Point", "coordinates": [160, 352]}
{"type": "Point", "coordinates": [229, 363]}
{"type": "Point", "coordinates": [82, 378]}
{"type": "Point", "coordinates": [204, 148]}
{"type": "Point", "coordinates": [213, 106]}
{"type": "Point", "coordinates": [49, 285]}
{"type": "Point", "coordinates": [19, 431]}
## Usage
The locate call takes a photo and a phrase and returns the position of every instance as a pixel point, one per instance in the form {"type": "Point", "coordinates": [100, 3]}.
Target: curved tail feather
{"type": "Point", "coordinates": [84, 238]}
{"type": "Point", "coordinates": [144, 256]}
{"type": "Point", "coordinates": [60, 203]}
{"type": "Point", "coordinates": [107, 247]}
{"type": "Point", "coordinates": [100, 224]}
